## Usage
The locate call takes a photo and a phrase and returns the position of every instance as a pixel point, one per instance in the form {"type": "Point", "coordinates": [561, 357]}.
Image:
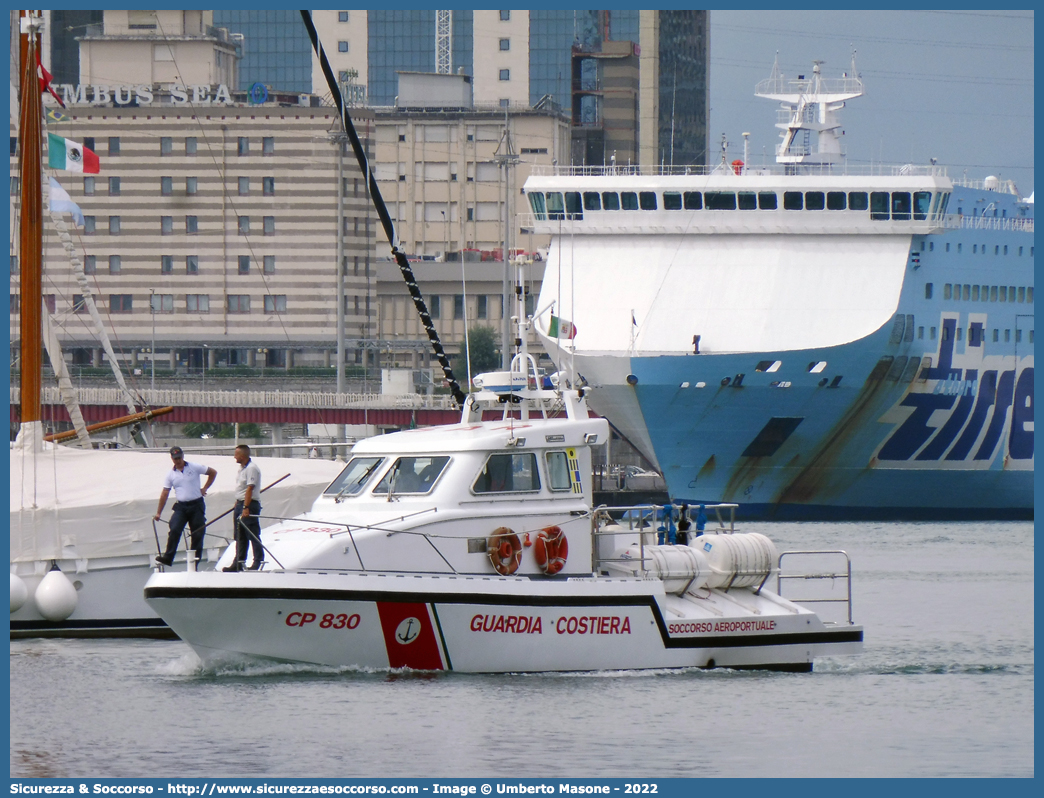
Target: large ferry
{"type": "Point", "coordinates": [806, 339]}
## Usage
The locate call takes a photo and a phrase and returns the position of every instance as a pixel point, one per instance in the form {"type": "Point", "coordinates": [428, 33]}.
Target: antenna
{"type": "Point", "coordinates": [443, 41]}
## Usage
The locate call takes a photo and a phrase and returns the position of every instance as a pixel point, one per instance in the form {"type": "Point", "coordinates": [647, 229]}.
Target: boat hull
{"type": "Point", "coordinates": [488, 625]}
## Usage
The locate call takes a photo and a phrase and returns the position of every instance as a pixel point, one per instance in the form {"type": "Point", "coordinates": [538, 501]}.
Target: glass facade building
{"type": "Point", "coordinates": [683, 89]}
{"type": "Point", "coordinates": [276, 50]}
{"type": "Point", "coordinates": [65, 50]}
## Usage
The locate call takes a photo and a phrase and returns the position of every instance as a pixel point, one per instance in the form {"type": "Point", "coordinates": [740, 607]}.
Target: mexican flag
{"type": "Point", "coordinates": [560, 328]}
{"type": "Point", "coordinates": [70, 156]}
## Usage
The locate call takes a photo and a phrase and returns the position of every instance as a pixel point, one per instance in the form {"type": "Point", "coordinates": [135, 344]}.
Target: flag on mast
{"type": "Point", "coordinates": [560, 328]}
{"type": "Point", "coordinates": [62, 202]}
{"type": "Point", "coordinates": [71, 156]}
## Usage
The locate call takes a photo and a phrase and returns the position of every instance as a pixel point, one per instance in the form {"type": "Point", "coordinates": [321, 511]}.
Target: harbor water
{"type": "Point", "coordinates": [943, 688]}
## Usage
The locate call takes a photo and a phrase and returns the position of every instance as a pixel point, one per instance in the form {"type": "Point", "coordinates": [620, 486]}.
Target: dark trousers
{"type": "Point", "coordinates": [193, 514]}
{"type": "Point", "coordinates": [244, 538]}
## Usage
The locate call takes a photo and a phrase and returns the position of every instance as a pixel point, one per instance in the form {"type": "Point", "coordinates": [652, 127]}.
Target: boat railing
{"type": "Point", "coordinates": [667, 170]}
{"type": "Point", "coordinates": [808, 576]}
{"type": "Point", "coordinates": [956, 221]}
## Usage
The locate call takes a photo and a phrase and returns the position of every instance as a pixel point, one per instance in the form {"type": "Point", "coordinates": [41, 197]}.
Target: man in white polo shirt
{"type": "Point", "coordinates": [245, 518]}
{"type": "Point", "coordinates": [189, 507]}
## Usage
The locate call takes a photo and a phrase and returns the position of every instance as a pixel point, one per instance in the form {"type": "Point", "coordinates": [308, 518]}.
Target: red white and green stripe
{"type": "Point", "coordinates": [71, 156]}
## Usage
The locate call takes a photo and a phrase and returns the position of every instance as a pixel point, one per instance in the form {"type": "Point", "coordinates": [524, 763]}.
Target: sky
{"type": "Point", "coordinates": [952, 85]}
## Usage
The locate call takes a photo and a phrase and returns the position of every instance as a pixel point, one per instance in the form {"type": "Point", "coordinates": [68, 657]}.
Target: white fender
{"type": "Point", "coordinates": [19, 593]}
{"type": "Point", "coordinates": [55, 595]}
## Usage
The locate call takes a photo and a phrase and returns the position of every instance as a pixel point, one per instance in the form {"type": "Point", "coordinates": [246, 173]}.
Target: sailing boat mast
{"type": "Point", "coordinates": [31, 222]}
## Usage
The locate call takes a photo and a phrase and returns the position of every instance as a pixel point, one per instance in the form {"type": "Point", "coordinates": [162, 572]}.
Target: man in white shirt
{"type": "Point", "coordinates": [189, 507]}
{"type": "Point", "coordinates": [245, 518]}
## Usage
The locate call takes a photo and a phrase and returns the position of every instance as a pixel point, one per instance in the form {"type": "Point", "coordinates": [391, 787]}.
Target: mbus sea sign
{"type": "Point", "coordinates": [103, 94]}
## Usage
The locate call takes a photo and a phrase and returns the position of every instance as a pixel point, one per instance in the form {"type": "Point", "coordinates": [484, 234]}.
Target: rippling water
{"type": "Point", "coordinates": [943, 688]}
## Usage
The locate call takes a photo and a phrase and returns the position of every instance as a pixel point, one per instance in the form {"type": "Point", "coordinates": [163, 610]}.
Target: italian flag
{"type": "Point", "coordinates": [70, 156]}
{"type": "Point", "coordinates": [560, 328]}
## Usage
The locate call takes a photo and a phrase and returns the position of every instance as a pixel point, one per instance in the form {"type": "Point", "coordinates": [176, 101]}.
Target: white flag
{"type": "Point", "coordinates": [61, 202]}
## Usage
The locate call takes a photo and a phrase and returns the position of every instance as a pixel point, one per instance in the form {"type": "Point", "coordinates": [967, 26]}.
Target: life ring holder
{"type": "Point", "coordinates": [505, 551]}
{"type": "Point", "coordinates": [551, 549]}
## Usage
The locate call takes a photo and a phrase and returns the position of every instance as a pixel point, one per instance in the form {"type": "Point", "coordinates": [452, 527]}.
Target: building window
{"type": "Point", "coordinates": [244, 186]}
{"type": "Point", "coordinates": [197, 303]}
{"type": "Point", "coordinates": [458, 306]}
{"type": "Point", "coordinates": [16, 299]}
{"type": "Point", "coordinates": [115, 264]}
{"type": "Point", "coordinates": [114, 145]}
{"type": "Point", "coordinates": [243, 148]}
{"type": "Point", "coordinates": [88, 186]}
{"type": "Point", "coordinates": [505, 16]}
{"type": "Point", "coordinates": [90, 264]}
{"type": "Point", "coordinates": [342, 47]}
{"type": "Point", "coordinates": [162, 303]}
{"type": "Point", "coordinates": [244, 264]}
{"type": "Point", "coordinates": [166, 264]}
{"type": "Point", "coordinates": [269, 264]}
{"type": "Point", "coordinates": [238, 303]}
{"type": "Point", "coordinates": [436, 307]}
{"type": "Point", "coordinates": [244, 225]}
{"type": "Point", "coordinates": [191, 224]}
{"type": "Point", "coordinates": [114, 225]}
{"type": "Point", "coordinates": [275, 303]}
{"type": "Point", "coordinates": [192, 264]}
{"type": "Point", "coordinates": [120, 303]}
{"type": "Point", "coordinates": [342, 16]}
{"type": "Point", "coordinates": [166, 186]}
{"type": "Point", "coordinates": [79, 304]}
{"type": "Point", "coordinates": [166, 225]}
{"type": "Point", "coordinates": [88, 225]}
{"type": "Point", "coordinates": [505, 44]}
{"type": "Point", "coordinates": [114, 186]}
{"type": "Point", "coordinates": [50, 302]}
{"type": "Point", "coordinates": [267, 145]}
{"type": "Point", "coordinates": [166, 145]}
{"type": "Point", "coordinates": [482, 310]}
{"type": "Point", "coordinates": [190, 145]}
{"type": "Point", "coordinates": [268, 186]}
{"type": "Point", "coordinates": [269, 222]}
{"type": "Point", "coordinates": [505, 74]}
{"type": "Point", "coordinates": [190, 185]}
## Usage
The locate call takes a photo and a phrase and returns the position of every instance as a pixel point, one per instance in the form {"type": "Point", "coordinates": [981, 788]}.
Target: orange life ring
{"type": "Point", "coordinates": [504, 550]}
{"type": "Point", "coordinates": [551, 549]}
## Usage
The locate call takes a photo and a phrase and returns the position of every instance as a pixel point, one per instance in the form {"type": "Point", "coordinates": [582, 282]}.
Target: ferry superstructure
{"type": "Point", "coordinates": [809, 341]}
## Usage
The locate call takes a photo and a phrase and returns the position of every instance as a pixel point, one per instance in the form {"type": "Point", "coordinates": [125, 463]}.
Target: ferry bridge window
{"type": "Point", "coordinates": [720, 200]}
{"type": "Point", "coordinates": [1022, 294]}
{"type": "Point", "coordinates": [693, 201]}
{"type": "Point", "coordinates": [879, 205]}
{"type": "Point", "coordinates": [967, 293]}
{"type": "Point", "coordinates": [353, 478]}
{"type": "Point", "coordinates": [975, 249]}
{"type": "Point", "coordinates": [901, 205]}
{"type": "Point", "coordinates": [629, 200]}
{"type": "Point", "coordinates": [975, 293]}
{"type": "Point", "coordinates": [947, 291]}
{"type": "Point", "coordinates": [747, 201]}
{"type": "Point", "coordinates": [928, 290]}
{"type": "Point", "coordinates": [672, 201]}
{"type": "Point", "coordinates": [412, 475]}
{"type": "Point", "coordinates": [996, 335]}
{"type": "Point", "coordinates": [555, 206]}
{"type": "Point", "coordinates": [921, 203]}
{"type": "Point", "coordinates": [835, 200]}
{"type": "Point", "coordinates": [793, 201]}
{"type": "Point", "coordinates": [985, 293]}
{"type": "Point", "coordinates": [767, 200]}
{"type": "Point", "coordinates": [993, 293]}
{"type": "Point", "coordinates": [508, 473]}
{"type": "Point", "coordinates": [592, 201]}
{"type": "Point", "coordinates": [574, 209]}
{"type": "Point", "coordinates": [557, 471]}
{"type": "Point", "coordinates": [1029, 293]}
{"type": "Point", "coordinates": [814, 201]}
{"type": "Point", "coordinates": [857, 201]}
{"type": "Point", "coordinates": [536, 202]}
{"type": "Point", "coordinates": [647, 200]}
{"type": "Point", "coordinates": [610, 201]}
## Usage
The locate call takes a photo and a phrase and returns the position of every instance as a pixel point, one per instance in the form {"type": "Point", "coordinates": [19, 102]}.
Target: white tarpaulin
{"type": "Point", "coordinates": [74, 504]}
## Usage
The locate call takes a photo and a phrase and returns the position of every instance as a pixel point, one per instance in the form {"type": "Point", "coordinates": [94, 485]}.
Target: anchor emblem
{"type": "Point", "coordinates": [408, 631]}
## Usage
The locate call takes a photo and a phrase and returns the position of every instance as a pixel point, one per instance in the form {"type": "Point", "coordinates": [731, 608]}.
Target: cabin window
{"type": "Point", "coordinates": [354, 477]}
{"type": "Point", "coordinates": [412, 475]}
{"type": "Point", "coordinates": [558, 470]}
{"type": "Point", "coordinates": [928, 291]}
{"type": "Point", "coordinates": [610, 201]}
{"type": "Point", "coordinates": [921, 203]}
{"type": "Point", "coordinates": [555, 205]}
{"type": "Point", "coordinates": [747, 201]}
{"type": "Point", "coordinates": [901, 205]}
{"type": "Point", "coordinates": [835, 200]}
{"type": "Point", "coordinates": [814, 201]}
{"type": "Point", "coordinates": [629, 200]}
{"type": "Point", "coordinates": [508, 473]}
{"type": "Point", "coordinates": [767, 200]}
{"type": "Point", "coordinates": [672, 201]}
{"type": "Point", "coordinates": [647, 200]}
{"type": "Point", "coordinates": [693, 201]}
{"type": "Point", "coordinates": [857, 201]}
{"type": "Point", "coordinates": [574, 209]}
{"type": "Point", "coordinates": [592, 201]}
{"type": "Point", "coordinates": [879, 205]}
{"type": "Point", "coordinates": [720, 200]}
{"type": "Point", "coordinates": [793, 200]}
{"type": "Point", "coordinates": [975, 293]}
{"type": "Point", "coordinates": [536, 202]}
{"type": "Point", "coordinates": [947, 291]}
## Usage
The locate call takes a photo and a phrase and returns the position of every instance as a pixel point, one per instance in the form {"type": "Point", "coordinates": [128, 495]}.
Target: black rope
{"type": "Point", "coordinates": [382, 210]}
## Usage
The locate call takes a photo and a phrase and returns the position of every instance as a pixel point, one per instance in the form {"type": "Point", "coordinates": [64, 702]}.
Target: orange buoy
{"type": "Point", "coordinates": [504, 550]}
{"type": "Point", "coordinates": [551, 549]}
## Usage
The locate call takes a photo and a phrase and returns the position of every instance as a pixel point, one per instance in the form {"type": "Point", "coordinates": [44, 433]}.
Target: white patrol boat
{"type": "Point", "coordinates": [475, 547]}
